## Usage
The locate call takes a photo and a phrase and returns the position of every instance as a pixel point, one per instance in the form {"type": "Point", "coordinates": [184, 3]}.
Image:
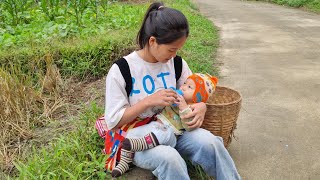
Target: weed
{"type": "Point", "coordinates": [51, 8]}
{"type": "Point", "coordinates": [22, 108]}
{"type": "Point", "coordinates": [15, 114]}
{"type": "Point", "coordinates": [17, 10]}
{"type": "Point", "coordinates": [75, 155]}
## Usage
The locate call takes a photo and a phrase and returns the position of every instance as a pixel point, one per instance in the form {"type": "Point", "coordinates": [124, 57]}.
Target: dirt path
{"type": "Point", "coordinates": [271, 54]}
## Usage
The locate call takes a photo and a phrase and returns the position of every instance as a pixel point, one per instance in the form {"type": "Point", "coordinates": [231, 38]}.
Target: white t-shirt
{"type": "Point", "coordinates": [148, 78]}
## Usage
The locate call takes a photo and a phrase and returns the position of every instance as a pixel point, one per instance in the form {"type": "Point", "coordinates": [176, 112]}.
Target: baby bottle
{"type": "Point", "coordinates": [178, 91]}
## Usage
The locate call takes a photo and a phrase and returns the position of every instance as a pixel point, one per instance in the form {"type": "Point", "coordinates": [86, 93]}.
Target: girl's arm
{"type": "Point", "coordinates": [198, 112]}
{"type": "Point", "coordinates": [163, 97]}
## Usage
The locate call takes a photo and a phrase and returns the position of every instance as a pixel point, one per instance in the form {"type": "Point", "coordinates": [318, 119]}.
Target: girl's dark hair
{"type": "Point", "coordinates": [165, 24]}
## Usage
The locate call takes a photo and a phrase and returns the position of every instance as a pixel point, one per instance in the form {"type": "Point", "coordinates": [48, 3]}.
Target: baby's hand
{"type": "Point", "coordinates": [181, 103]}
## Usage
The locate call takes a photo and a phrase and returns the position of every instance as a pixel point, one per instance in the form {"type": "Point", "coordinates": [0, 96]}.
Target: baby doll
{"type": "Point", "coordinates": [197, 88]}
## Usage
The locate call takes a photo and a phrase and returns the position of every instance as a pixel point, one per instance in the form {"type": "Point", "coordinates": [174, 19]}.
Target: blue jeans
{"type": "Point", "coordinates": [199, 145]}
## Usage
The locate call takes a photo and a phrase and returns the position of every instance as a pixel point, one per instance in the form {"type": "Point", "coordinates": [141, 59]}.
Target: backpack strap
{"type": "Point", "coordinates": [126, 74]}
{"type": "Point", "coordinates": [177, 67]}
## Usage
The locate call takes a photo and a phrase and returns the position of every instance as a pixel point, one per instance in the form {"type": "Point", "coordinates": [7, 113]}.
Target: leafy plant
{"type": "Point", "coordinates": [51, 8]}
{"type": "Point", "coordinates": [78, 6]}
{"type": "Point", "coordinates": [17, 10]}
{"type": "Point", "coordinates": [104, 4]}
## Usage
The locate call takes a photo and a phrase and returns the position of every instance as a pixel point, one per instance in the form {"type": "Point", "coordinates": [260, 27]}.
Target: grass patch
{"type": "Point", "coordinates": [36, 57]}
{"type": "Point", "coordinates": [27, 22]}
{"type": "Point", "coordinates": [32, 85]}
{"type": "Point", "coordinates": [77, 153]}
{"type": "Point", "coordinates": [311, 5]}
{"type": "Point", "coordinates": [22, 109]}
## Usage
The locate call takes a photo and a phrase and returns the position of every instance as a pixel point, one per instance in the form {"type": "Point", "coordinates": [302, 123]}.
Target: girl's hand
{"type": "Point", "coordinates": [181, 103]}
{"type": "Point", "coordinates": [198, 112]}
{"type": "Point", "coordinates": [164, 97]}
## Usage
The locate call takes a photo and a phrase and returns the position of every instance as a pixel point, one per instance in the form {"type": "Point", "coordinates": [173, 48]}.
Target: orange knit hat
{"type": "Point", "coordinates": [205, 86]}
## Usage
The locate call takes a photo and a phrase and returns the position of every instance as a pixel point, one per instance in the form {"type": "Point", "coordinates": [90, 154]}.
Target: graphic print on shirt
{"type": "Point", "coordinates": [148, 84]}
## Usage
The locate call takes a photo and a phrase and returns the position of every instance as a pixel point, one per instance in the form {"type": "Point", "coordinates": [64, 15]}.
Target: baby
{"type": "Point", "coordinates": [197, 88]}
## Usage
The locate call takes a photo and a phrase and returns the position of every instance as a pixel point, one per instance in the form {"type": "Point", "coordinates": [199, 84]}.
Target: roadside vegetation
{"type": "Point", "coordinates": [48, 50]}
{"type": "Point", "coordinates": [311, 5]}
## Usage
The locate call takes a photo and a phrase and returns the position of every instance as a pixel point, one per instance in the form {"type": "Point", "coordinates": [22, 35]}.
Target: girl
{"type": "Point", "coordinates": [197, 88]}
{"type": "Point", "coordinates": [163, 32]}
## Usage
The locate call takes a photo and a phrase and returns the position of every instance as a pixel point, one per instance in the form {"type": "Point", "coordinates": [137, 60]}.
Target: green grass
{"type": "Point", "coordinates": [73, 155]}
{"type": "Point", "coordinates": [84, 53]}
{"type": "Point", "coordinates": [37, 23]}
{"type": "Point", "coordinates": [76, 154]}
{"type": "Point", "coordinates": [312, 5]}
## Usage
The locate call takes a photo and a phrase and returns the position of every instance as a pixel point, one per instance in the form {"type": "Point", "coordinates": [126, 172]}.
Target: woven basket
{"type": "Point", "coordinates": [223, 109]}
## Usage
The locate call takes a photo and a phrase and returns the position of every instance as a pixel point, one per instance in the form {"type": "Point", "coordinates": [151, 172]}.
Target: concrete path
{"type": "Point", "coordinates": [271, 54]}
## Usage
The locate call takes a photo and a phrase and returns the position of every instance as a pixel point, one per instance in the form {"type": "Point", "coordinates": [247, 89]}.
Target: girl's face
{"type": "Point", "coordinates": [188, 89]}
{"type": "Point", "coordinates": [164, 52]}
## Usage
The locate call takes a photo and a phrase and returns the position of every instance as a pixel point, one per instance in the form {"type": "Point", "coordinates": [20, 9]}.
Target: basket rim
{"type": "Point", "coordinates": [232, 102]}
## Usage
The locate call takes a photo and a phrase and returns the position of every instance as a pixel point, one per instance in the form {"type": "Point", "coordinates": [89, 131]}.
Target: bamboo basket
{"type": "Point", "coordinates": [223, 109]}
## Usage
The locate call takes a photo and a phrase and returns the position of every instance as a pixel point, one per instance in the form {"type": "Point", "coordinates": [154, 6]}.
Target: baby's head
{"type": "Point", "coordinates": [198, 87]}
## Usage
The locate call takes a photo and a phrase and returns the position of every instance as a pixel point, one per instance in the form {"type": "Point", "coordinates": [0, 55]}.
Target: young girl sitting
{"type": "Point", "coordinates": [163, 32]}
{"type": "Point", "coordinates": [197, 88]}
